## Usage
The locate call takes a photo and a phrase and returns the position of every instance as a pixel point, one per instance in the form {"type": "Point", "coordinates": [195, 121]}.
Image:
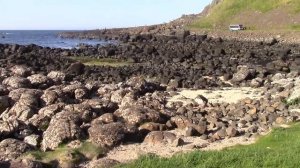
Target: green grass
{"type": "Point", "coordinates": [102, 61]}
{"type": "Point", "coordinates": [294, 27]}
{"type": "Point", "coordinates": [281, 148]}
{"type": "Point", "coordinates": [292, 102]}
{"type": "Point", "coordinates": [87, 151]}
{"type": "Point", "coordinates": [223, 13]}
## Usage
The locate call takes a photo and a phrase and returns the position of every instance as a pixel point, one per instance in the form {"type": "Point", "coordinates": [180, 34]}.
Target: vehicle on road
{"type": "Point", "coordinates": [236, 27]}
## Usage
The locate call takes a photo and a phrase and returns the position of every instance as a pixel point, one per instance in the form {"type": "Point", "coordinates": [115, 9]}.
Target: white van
{"type": "Point", "coordinates": [236, 27]}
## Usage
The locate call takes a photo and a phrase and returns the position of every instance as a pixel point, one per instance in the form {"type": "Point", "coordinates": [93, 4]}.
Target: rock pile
{"type": "Point", "coordinates": [47, 100]}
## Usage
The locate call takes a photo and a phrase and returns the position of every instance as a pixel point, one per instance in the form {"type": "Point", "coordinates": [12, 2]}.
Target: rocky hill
{"type": "Point", "coordinates": [255, 14]}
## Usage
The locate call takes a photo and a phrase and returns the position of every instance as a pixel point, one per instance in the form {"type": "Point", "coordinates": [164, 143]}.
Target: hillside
{"type": "Point", "coordinates": [255, 14]}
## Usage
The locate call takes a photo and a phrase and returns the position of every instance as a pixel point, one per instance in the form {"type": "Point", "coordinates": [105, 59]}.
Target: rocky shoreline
{"type": "Point", "coordinates": [47, 99]}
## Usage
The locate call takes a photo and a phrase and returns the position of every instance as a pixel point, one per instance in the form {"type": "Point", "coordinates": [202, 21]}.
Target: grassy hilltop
{"type": "Point", "coordinates": [255, 14]}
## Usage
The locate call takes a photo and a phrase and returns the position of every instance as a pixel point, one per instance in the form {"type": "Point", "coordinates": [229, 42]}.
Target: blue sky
{"type": "Point", "coordinates": [92, 14]}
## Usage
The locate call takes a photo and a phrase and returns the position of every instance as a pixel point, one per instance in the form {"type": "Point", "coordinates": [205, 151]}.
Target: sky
{"type": "Point", "coordinates": [92, 14]}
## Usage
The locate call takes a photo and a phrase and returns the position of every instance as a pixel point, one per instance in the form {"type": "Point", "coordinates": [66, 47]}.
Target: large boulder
{"type": "Point", "coordinates": [135, 115]}
{"type": "Point", "coordinates": [21, 70]}
{"type": "Point", "coordinates": [42, 119]}
{"type": "Point", "coordinates": [141, 85]}
{"type": "Point", "coordinates": [49, 97]}
{"type": "Point", "coordinates": [118, 95]}
{"type": "Point", "coordinates": [57, 76]}
{"type": "Point", "coordinates": [24, 108]}
{"type": "Point", "coordinates": [29, 99]}
{"type": "Point", "coordinates": [107, 135]}
{"type": "Point", "coordinates": [64, 126]}
{"type": "Point", "coordinates": [162, 138]}
{"type": "Point", "coordinates": [76, 68]}
{"type": "Point", "coordinates": [39, 80]}
{"type": "Point", "coordinates": [20, 112]}
{"type": "Point", "coordinates": [15, 95]}
{"type": "Point", "coordinates": [16, 82]}
{"type": "Point", "coordinates": [243, 73]}
{"type": "Point", "coordinates": [11, 149]}
{"type": "Point", "coordinates": [8, 128]}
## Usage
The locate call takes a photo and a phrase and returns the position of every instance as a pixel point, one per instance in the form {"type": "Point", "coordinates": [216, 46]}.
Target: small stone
{"type": "Point", "coordinates": [106, 118]}
{"type": "Point", "coordinates": [252, 111]}
{"type": "Point", "coordinates": [201, 100]}
{"type": "Point", "coordinates": [222, 133]}
{"type": "Point", "coordinates": [231, 132]}
{"type": "Point", "coordinates": [32, 140]}
{"type": "Point", "coordinates": [189, 131]}
{"type": "Point", "coordinates": [280, 120]}
{"type": "Point", "coordinates": [270, 109]}
{"type": "Point", "coordinates": [177, 142]}
{"type": "Point", "coordinates": [150, 126]}
{"type": "Point", "coordinates": [160, 138]}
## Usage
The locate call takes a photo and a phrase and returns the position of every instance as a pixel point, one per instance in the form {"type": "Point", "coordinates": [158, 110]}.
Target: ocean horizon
{"type": "Point", "coordinates": [44, 38]}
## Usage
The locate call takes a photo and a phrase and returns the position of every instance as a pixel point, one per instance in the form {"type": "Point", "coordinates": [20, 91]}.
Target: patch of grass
{"type": "Point", "coordinates": [224, 13]}
{"type": "Point", "coordinates": [87, 151]}
{"type": "Point", "coordinates": [295, 27]}
{"type": "Point", "coordinates": [281, 148]}
{"type": "Point", "coordinates": [102, 61]}
{"type": "Point", "coordinates": [90, 150]}
{"type": "Point", "coordinates": [292, 102]}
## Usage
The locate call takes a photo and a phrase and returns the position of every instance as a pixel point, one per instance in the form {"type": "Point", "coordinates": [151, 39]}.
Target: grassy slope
{"type": "Point", "coordinates": [226, 11]}
{"type": "Point", "coordinates": [281, 148]}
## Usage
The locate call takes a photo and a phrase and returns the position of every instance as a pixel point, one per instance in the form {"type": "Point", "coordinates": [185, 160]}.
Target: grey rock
{"type": "Point", "coordinates": [64, 126]}
{"type": "Point", "coordinates": [32, 140]}
{"type": "Point", "coordinates": [81, 93]}
{"type": "Point", "coordinates": [49, 97]}
{"type": "Point", "coordinates": [28, 99]}
{"type": "Point", "coordinates": [20, 112]}
{"type": "Point", "coordinates": [181, 122]}
{"type": "Point", "coordinates": [21, 70]}
{"type": "Point", "coordinates": [57, 76]}
{"type": "Point", "coordinates": [42, 119]}
{"type": "Point", "coordinates": [107, 135]}
{"type": "Point", "coordinates": [160, 137]}
{"type": "Point", "coordinates": [16, 94]}
{"type": "Point", "coordinates": [39, 80]}
{"type": "Point", "coordinates": [257, 82]}
{"type": "Point", "coordinates": [8, 127]}
{"type": "Point", "coordinates": [135, 115]}
{"type": "Point", "coordinates": [11, 149]}
{"type": "Point", "coordinates": [231, 131]}
{"type": "Point", "coordinates": [242, 74]}
{"type": "Point", "coordinates": [118, 95]}
{"type": "Point", "coordinates": [107, 118]}
{"type": "Point", "coordinates": [16, 82]}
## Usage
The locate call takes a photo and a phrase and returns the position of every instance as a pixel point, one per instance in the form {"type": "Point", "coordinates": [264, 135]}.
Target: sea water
{"type": "Point", "coordinates": [44, 38]}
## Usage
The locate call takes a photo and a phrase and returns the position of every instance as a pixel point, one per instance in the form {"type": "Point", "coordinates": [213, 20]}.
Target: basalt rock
{"type": "Point", "coordinates": [107, 135]}
{"type": "Point", "coordinates": [16, 82]}
{"type": "Point", "coordinates": [137, 115]}
{"type": "Point", "coordinates": [64, 126]}
{"type": "Point", "coordinates": [11, 149]}
{"type": "Point", "coordinates": [22, 71]}
{"type": "Point", "coordinates": [162, 138]}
